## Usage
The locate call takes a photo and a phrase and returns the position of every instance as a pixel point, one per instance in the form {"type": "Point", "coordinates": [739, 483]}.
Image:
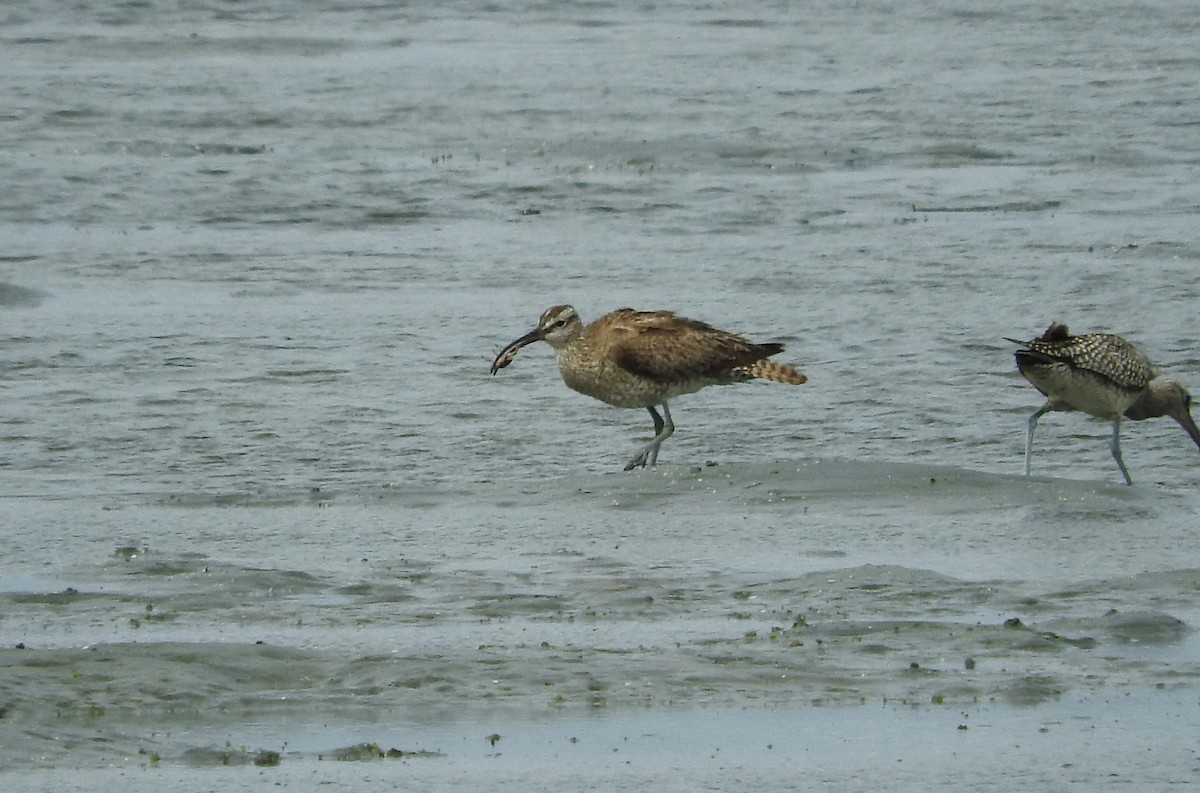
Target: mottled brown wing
{"type": "Point", "coordinates": [1102, 353]}
{"type": "Point", "coordinates": [665, 347]}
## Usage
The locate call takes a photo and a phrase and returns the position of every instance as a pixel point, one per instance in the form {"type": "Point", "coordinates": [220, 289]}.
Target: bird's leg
{"type": "Point", "coordinates": [1033, 420]}
{"type": "Point", "coordinates": [662, 431]}
{"type": "Point", "coordinates": [1116, 450]}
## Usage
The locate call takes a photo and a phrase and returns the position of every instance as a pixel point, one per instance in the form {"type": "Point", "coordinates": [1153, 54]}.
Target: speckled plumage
{"type": "Point", "coordinates": [1097, 373]}
{"type": "Point", "coordinates": [643, 359]}
{"type": "Point", "coordinates": [1102, 375]}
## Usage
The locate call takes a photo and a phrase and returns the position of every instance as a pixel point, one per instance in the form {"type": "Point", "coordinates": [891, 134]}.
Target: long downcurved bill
{"type": "Point", "coordinates": [1185, 420]}
{"type": "Point", "coordinates": [505, 357]}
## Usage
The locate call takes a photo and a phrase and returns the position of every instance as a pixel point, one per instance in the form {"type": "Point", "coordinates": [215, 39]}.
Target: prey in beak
{"type": "Point", "coordinates": [506, 356]}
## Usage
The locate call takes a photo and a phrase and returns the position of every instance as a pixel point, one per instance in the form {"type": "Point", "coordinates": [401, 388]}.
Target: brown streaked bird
{"type": "Point", "coordinates": [1104, 376]}
{"type": "Point", "coordinates": [642, 359]}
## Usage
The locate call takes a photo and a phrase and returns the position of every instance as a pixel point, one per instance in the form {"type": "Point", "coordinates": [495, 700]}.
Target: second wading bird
{"type": "Point", "coordinates": [642, 359]}
{"type": "Point", "coordinates": [1104, 376]}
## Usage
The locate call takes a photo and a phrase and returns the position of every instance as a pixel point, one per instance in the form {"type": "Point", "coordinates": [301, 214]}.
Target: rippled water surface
{"type": "Point", "coordinates": [262, 500]}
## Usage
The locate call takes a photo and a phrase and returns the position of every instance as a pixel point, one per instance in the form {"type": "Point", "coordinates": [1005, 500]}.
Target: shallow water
{"type": "Point", "coordinates": [292, 624]}
{"type": "Point", "coordinates": [1094, 740]}
{"type": "Point", "coordinates": [260, 491]}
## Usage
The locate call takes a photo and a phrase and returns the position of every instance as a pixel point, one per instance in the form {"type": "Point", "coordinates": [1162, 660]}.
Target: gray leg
{"type": "Point", "coordinates": [1116, 450]}
{"type": "Point", "coordinates": [662, 431]}
{"type": "Point", "coordinates": [658, 420]}
{"type": "Point", "coordinates": [1033, 420]}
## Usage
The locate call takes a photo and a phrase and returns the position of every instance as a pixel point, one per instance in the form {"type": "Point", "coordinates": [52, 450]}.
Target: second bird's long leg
{"type": "Point", "coordinates": [648, 454]}
{"type": "Point", "coordinates": [1116, 450]}
{"type": "Point", "coordinates": [1033, 420]}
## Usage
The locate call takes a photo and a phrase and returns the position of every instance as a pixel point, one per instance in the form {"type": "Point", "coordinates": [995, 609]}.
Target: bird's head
{"type": "Point", "coordinates": [1165, 397]}
{"type": "Point", "coordinates": [557, 326]}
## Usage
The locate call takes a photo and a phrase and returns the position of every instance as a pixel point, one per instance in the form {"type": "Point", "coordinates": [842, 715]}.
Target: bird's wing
{"type": "Point", "coordinates": [1101, 353]}
{"type": "Point", "coordinates": [663, 346]}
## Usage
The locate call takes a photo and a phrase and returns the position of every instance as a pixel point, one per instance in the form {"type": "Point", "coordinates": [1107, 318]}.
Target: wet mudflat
{"type": "Point", "coordinates": [612, 626]}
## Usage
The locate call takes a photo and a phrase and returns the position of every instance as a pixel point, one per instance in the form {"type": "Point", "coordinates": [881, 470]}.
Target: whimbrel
{"type": "Point", "coordinates": [1102, 375]}
{"type": "Point", "coordinates": [642, 359]}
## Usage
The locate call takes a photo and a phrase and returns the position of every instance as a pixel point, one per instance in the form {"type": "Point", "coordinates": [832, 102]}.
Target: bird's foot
{"type": "Point", "coordinates": [647, 456]}
{"type": "Point", "coordinates": [638, 461]}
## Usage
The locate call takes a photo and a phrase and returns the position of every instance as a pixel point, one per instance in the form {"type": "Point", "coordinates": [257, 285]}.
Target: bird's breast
{"type": "Point", "coordinates": [602, 379]}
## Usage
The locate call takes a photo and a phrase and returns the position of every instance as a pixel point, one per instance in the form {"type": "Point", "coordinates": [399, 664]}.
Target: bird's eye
{"type": "Point", "coordinates": [558, 323]}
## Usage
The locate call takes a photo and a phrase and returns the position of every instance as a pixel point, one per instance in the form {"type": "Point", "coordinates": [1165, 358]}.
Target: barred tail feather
{"type": "Point", "coordinates": [776, 372]}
